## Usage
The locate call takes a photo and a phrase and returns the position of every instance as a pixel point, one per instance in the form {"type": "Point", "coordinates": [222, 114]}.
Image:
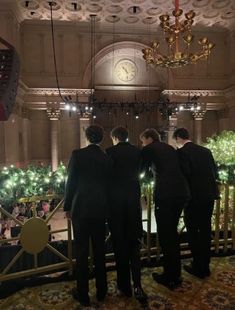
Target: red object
{"type": "Point", "coordinates": [176, 5]}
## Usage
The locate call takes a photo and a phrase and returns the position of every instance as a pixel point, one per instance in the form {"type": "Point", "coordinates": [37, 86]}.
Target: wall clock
{"type": "Point", "coordinates": [125, 70]}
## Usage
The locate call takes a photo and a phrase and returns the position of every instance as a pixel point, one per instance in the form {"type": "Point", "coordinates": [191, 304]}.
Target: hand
{"type": "Point", "coordinates": [68, 215]}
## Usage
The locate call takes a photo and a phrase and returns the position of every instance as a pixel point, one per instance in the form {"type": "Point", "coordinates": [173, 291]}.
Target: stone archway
{"type": "Point", "coordinates": [106, 59]}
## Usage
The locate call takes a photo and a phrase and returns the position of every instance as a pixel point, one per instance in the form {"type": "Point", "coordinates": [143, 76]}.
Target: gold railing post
{"type": "Point", "coordinates": [149, 205]}
{"type": "Point", "coordinates": [233, 218]}
{"type": "Point", "coordinates": [90, 256]}
{"type": "Point", "coordinates": [226, 219]}
{"type": "Point", "coordinates": [217, 228]}
{"type": "Point", "coordinates": [70, 254]}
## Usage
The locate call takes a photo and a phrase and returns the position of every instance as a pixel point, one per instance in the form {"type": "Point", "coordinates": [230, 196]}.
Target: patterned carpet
{"type": "Point", "coordinates": [215, 293]}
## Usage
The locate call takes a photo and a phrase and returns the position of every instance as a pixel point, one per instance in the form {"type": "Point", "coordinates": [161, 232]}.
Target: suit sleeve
{"type": "Point", "coordinates": [146, 163]}
{"type": "Point", "coordinates": [216, 176]}
{"type": "Point", "coordinates": [71, 184]}
{"type": "Point", "coordinates": [215, 169]}
{"type": "Point", "coordinates": [184, 162]}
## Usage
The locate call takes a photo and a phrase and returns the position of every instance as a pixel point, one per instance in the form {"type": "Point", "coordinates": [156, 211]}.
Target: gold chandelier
{"type": "Point", "coordinates": [176, 33]}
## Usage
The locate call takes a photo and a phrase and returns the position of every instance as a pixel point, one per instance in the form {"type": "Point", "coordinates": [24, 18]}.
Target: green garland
{"type": "Point", "coordinates": [222, 147]}
{"type": "Point", "coordinates": [16, 183]}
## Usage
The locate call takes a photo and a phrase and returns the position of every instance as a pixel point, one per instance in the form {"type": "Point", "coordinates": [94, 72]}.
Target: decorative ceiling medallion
{"type": "Point", "coordinates": [229, 15]}
{"type": "Point", "coordinates": [220, 24]}
{"type": "Point", "coordinates": [182, 2]}
{"type": "Point", "coordinates": [204, 22]}
{"type": "Point", "coordinates": [94, 8]}
{"type": "Point", "coordinates": [30, 5]}
{"type": "Point", "coordinates": [117, 1]}
{"type": "Point", "coordinates": [134, 10]}
{"type": "Point", "coordinates": [114, 9]}
{"type": "Point", "coordinates": [138, 1]}
{"type": "Point", "coordinates": [149, 20]}
{"type": "Point", "coordinates": [159, 2]}
{"type": "Point", "coordinates": [56, 15]}
{"type": "Point", "coordinates": [97, 18]}
{"type": "Point", "coordinates": [74, 17]}
{"type": "Point", "coordinates": [220, 4]}
{"type": "Point", "coordinates": [73, 6]}
{"type": "Point", "coordinates": [211, 14]}
{"type": "Point", "coordinates": [33, 15]}
{"type": "Point", "coordinates": [112, 19]}
{"type": "Point", "coordinates": [200, 3]}
{"type": "Point", "coordinates": [131, 19]}
{"type": "Point", "coordinates": [154, 11]}
{"type": "Point", "coordinates": [55, 7]}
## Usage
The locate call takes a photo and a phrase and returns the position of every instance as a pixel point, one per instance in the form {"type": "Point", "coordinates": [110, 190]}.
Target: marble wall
{"type": "Point", "coordinates": [26, 139]}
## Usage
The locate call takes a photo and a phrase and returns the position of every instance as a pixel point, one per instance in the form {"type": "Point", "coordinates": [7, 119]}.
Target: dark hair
{"type": "Point", "coordinates": [181, 133]}
{"type": "Point", "coordinates": [150, 133]}
{"type": "Point", "coordinates": [119, 133]}
{"type": "Point", "coordinates": [94, 133]}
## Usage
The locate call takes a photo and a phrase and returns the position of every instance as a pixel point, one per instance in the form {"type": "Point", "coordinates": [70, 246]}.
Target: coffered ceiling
{"type": "Point", "coordinates": [216, 13]}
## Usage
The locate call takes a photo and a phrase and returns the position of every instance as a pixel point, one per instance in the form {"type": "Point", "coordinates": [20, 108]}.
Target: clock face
{"type": "Point", "coordinates": [125, 70]}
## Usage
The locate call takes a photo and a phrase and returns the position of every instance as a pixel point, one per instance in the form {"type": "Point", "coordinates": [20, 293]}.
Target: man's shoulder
{"type": "Point", "coordinates": [79, 151]}
{"type": "Point", "coordinates": [195, 148]}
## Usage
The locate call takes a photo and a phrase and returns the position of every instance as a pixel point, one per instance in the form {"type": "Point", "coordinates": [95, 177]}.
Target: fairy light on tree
{"type": "Point", "coordinates": [222, 147]}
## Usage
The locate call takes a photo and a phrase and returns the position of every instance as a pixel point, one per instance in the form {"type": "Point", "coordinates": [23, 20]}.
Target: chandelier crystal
{"type": "Point", "coordinates": [175, 34]}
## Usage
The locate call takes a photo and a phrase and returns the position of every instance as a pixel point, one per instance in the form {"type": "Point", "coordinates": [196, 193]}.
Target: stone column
{"type": "Point", "coordinates": [198, 117]}
{"type": "Point", "coordinates": [84, 123]}
{"type": "Point", "coordinates": [172, 126]}
{"type": "Point", "coordinates": [25, 135]}
{"type": "Point", "coordinates": [54, 114]}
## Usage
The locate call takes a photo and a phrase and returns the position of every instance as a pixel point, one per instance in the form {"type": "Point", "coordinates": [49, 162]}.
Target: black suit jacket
{"type": "Point", "coordinates": [125, 187]}
{"type": "Point", "coordinates": [86, 193]}
{"type": "Point", "coordinates": [162, 159]}
{"type": "Point", "coordinates": [199, 168]}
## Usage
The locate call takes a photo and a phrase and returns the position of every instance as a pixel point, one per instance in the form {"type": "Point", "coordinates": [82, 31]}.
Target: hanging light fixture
{"type": "Point", "coordinates": [175, 34]}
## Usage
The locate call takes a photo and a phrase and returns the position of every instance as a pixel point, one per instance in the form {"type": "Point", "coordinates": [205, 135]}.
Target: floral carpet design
{"type": "Point", "coordinates": [217, 292]}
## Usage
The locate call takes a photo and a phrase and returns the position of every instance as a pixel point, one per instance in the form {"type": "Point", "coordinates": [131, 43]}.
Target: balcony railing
{"type": "Point", "coordinates": [31, 244]}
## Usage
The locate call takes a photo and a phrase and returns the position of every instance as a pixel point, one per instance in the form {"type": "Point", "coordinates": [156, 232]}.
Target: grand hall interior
{"type": "Point", "coordinates": [69, 64]}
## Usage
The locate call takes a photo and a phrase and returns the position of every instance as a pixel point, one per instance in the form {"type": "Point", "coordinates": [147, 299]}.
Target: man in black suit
{"type": "Point", "coordinates": [86, 203]}
{"type": "Point", "coordinates": [125, 213]}
{"type": "Point", "coordinates": [170, 195]}
{"type": "Point", "coordinates": [199, 169]}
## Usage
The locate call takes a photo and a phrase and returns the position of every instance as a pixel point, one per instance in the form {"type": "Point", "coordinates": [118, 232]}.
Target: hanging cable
{"type": "Point", "coordinates": [54, 53]}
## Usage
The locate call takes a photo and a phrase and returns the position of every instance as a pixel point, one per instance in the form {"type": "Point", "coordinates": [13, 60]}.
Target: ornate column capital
{"type": "Point", "coordinates": [53, 108]}
{"type": "Point", "coordinates": [53, 113]}
{"type": "Point", "coordinates": [199, 115]}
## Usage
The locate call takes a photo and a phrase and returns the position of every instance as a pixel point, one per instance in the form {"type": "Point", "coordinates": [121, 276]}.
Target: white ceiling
{"type": "Point", "coordinates": [220, 13]}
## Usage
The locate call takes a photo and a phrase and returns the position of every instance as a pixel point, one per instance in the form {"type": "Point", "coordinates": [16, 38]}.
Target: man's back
{"type": "Point", "coordinates": [165, 165]}
{"type": "Point", "coordinates": [88, 171]}
{"type": "Point", "coordinates": [200, 171]}
{"type": "Point", "coordinates": [126, 162]}
{"type": "Point", "coordinates": [125, 187]}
